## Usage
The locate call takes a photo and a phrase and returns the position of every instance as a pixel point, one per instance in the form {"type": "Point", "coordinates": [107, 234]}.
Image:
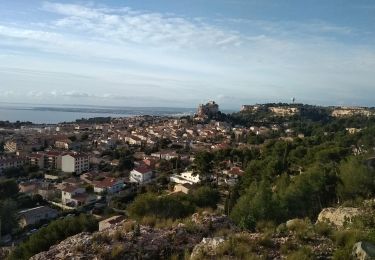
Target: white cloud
{"type": "Point", "coordinates": [144, 28]}
{"type": "Point", "coordinates": [85, 52]}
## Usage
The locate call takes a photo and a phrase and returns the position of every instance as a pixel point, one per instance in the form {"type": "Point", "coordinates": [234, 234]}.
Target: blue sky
{"type": "Point", "coordinates": [181, 53]}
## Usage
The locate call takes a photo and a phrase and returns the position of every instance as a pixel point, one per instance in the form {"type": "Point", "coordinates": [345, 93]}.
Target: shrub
{"type": "Point", "coordinates": [282, 229]}
{"type": "Point", "coordinates": [344, 240]}
{"type": "Point", "coordinates": [323, 229]}
{"type": "Point", "coordinates": [303, 253]}
{"type": "Point", "coordinates": [264, 226]}
{"type": "Point", "coordinates": [55, 232]}
{"type": "Point", "coordinates": [101, 238]}
{"type": "Point", "coordinates": [288, 246]}
{"type": "Point", "coordinates": [118, 235]}
{"type": "Point", "coordinates": [303, 229]}
{"type": "Point", "coordinates": [117, 252]}
{"type": "Point", "coordinates": [128, 226]}
{"type": "Point", "coordinates": [237, 247]}
{"type": "Point", "coordinates": [160, 207]}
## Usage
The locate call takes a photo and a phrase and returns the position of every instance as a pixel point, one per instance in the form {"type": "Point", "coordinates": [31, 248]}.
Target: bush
{"type": "Point", "coordinates": [303, 229]}
{"type": "Point", "coordinates": [345, 240]}
{"type": "Point", "coordinates": [287, 247]}
{"type": "Point", "coordinates": [237, 247]}
{"type": "Point", "coordinates": [303, 253]}
{"type": "Point", "coordinates": [265, 226]}
{"type": "Point", "coordinates": [101, 238]}
{"type": "Point", "coordinates": [323, 229]}
{"type": "Point", "coordinates": [205, 197]}
{"type": "Point", "coordinates": [149, 204]}
{"type": "Point", "coordinates": [117, 252]}
{"type": "Point", "coordinates": [55, 232]}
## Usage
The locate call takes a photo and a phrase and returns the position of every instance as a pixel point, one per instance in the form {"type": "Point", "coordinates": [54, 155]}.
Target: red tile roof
{"type": "Point", "coordinates": [142, 169]}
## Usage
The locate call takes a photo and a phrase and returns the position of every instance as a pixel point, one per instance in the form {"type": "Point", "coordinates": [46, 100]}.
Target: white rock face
{"type": "Point", "coordinates": [338, 216]}
{"type": "Point", "coordinates": [208, 246]}
{"type": "Point", "coordinates": [293, 223]}
{"type": "Point", "coordinates": [363, 251]}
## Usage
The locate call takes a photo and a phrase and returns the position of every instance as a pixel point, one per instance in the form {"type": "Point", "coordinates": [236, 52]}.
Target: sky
{"type": "Point", "coordinates": [170, 53]}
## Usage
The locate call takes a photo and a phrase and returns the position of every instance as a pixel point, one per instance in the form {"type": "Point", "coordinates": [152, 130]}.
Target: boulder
{"type": "Point", "coordinates": [363, 251]}
{"type": "Point", "coordinates": [293, 223]}
{"type": "Point", "coordinates": [207, 247]}
{"type": "Point", "coordinates": [338, 216]}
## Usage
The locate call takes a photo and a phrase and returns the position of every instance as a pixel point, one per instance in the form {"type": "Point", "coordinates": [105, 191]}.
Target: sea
{"type": "Point", "coordinates": [53, 114]}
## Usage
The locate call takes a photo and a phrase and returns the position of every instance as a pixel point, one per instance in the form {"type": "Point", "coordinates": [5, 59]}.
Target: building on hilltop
{"type": "Point", "coordinates": [208, 110]}
{"type": "Point", "coordinates": [250, 108]}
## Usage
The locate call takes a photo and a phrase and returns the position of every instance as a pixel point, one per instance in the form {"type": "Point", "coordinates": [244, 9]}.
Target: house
{"type": "Point", "coordinates": [68, 192]}
{"type": "Point", "coordinates": [233, 175]}
{"type": "Point", "coordinates": [63, 144]}
{"type": "Point", "coordinates": [184, 188]}
{"type": "Point", "coordinates": [185, 178]}
{"type": "Point", "coordinates": [48, 191]}
{"type": "Point", "coordinates": [141, 174]}
{"type": "Point", "coordinates": [75, 162]}
{"type": "Point", "coordinates": [133, 140]}
{"type": "Point", "coordinates": [28, 187]}
{"type": "Point", "coordinates": [11, 162]}
{"type": "Point", "coordinates": [11, 146]}
{"type": "Point", "coordinates": [165, 155]}
{"type": "Point", "coordinates": [35, 215]}
{"type": "Point", "coordinates": [234, 172]}
{"type": "Point", "coordinates": [110, 222]}
{"type": "Point", "coordinates": [52, 160]}
{"type": "Point", "coordinates": [37, 159]}
{"type": "Point", "coordinates": [109, 185]}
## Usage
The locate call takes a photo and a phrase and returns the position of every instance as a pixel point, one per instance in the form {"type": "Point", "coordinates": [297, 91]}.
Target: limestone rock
{"type": "Point", "coordinates": [363, 251]}
{"type": "Point", "coordinates": [293, 223]}
{"type": "Point", "coordinates": [338, 216]}
{"type": "Point", "coordinates": [207, 247]}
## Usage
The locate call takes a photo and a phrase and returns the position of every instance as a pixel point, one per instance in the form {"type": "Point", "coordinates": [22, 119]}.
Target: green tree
{"type": "Point", "coordinates": [258, 203]}
{"type": "Point", "coordinates": [8, 209]}
{"type": "Point", "coordinates": [55, 232]}
{"type": "Point", "coordinates": [357, 180]}
{"type": "Point", "coordinates": [8, 188]}
{"type": "Point", "coordinates": [205, 197]}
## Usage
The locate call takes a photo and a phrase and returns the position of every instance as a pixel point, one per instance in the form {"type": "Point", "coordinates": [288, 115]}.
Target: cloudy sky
{"type": "Point", "coordinates": [181, 53]}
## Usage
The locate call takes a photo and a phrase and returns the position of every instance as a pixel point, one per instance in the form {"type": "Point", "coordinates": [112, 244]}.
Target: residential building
{"type": "Point", "coordinates": [63, 144]}
{"type": "Point", "coordinates": [69, 192]}
{"type": "Point", "coordinates": [35, 215]}
{"type": "Point", "coordinates": [75, 162]}
{"type": "Point", "coordinates": [110, 222]}
{"type": "Point", "coordinates": [185, 178]}
{"type": "Point", "coordinates": [52, 160]}
{"type": "Point", "coordinates": [109, 185]}
{"type": "Point", "coordinates": [11, 162]}
{"type": "Point", "coordinates": [141, 174]}
{"type": "Point", "coordinates": [11, 146]}
{"type": "Point", "coordinates": [29, 187]}
{"type": "Point", "coordinates": [37, 159]}
{"type": "Point", "coordinates": [184, 188]}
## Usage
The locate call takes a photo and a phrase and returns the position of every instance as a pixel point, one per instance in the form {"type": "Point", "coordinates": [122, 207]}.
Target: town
{"type": "Point", "coordinates": [98, 166]}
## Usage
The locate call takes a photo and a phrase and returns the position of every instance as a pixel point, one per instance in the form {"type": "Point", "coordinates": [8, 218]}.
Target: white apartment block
{"type": "Point", "coordinates": [75, 162]}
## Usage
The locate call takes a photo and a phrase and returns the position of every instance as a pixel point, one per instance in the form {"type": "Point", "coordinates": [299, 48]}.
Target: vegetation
{"type": "Point", "coordinates": [55, 232]}
{"type": "Point", "coordinates": [174, 206]}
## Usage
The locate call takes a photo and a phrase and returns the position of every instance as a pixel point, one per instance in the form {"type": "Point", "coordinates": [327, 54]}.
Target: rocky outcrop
{"type": "Point", "coordinates": [293, 223]}
{"type": "Point", "coordinates": [363, 251]}
{"type": "Point", "coordinates": [204, 235]}
{"type": "Point", "coordinates": [338, 216]}
{"type": "Point", "coordinates": [143, 242]}
{"type": "Point", "coordinates": [207, 246]}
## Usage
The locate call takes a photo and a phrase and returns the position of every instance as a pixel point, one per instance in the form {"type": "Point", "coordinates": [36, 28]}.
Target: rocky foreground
{"type": "Point", "coordinates": [201, 237]}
